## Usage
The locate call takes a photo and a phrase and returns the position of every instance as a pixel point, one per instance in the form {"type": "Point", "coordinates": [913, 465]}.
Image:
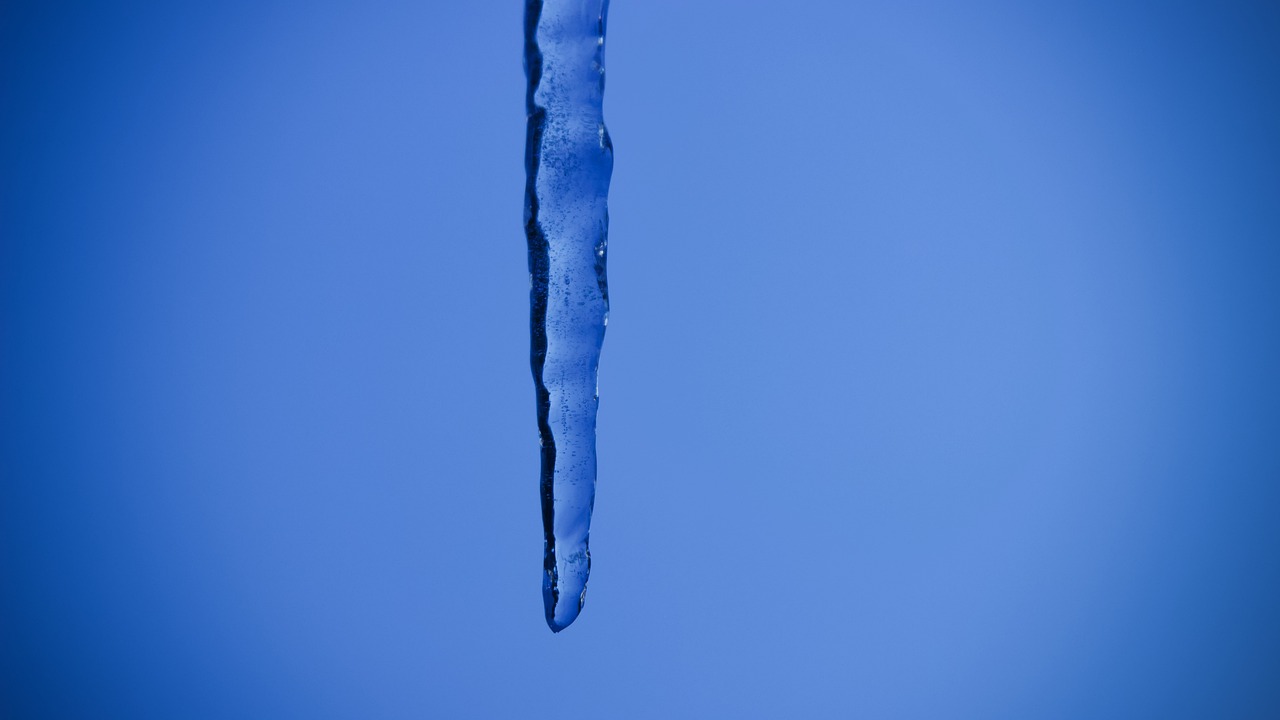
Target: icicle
{"type": "Point", "coordinates": [568, 161]}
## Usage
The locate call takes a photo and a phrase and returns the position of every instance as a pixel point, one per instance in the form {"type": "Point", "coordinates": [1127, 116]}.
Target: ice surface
{"type": "Point", "coordinates": [568, 161]}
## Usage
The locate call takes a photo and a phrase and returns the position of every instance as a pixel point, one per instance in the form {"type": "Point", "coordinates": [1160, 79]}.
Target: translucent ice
{"type": "Point", "coordinates": [568, 161]}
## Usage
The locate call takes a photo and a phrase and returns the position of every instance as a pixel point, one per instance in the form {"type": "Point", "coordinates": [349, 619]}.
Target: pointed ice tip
{"type": "Point", "coordinates": [564, 585]}
{"type": "Point", "coordinates": [559, 618]}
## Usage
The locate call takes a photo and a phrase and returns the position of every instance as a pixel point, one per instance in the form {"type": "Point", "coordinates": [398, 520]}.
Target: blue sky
{"type": "Point", "coordinates": [939, 378]}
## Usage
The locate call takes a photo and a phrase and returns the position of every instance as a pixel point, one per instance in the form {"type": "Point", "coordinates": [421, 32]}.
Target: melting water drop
{"type": "Point", "coordinates": [568, 161]}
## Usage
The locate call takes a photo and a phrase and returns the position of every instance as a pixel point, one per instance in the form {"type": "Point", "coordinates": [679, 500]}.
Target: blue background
{"type": "Point", "coordinates": [940, 378]}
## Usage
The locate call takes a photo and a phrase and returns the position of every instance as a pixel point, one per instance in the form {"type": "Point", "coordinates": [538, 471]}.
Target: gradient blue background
{"type": "Point", "coordinates": [940, 380]}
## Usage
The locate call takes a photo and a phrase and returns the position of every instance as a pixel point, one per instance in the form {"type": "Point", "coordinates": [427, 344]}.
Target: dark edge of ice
{"type": "Point", "coordinates": [539, 261]}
